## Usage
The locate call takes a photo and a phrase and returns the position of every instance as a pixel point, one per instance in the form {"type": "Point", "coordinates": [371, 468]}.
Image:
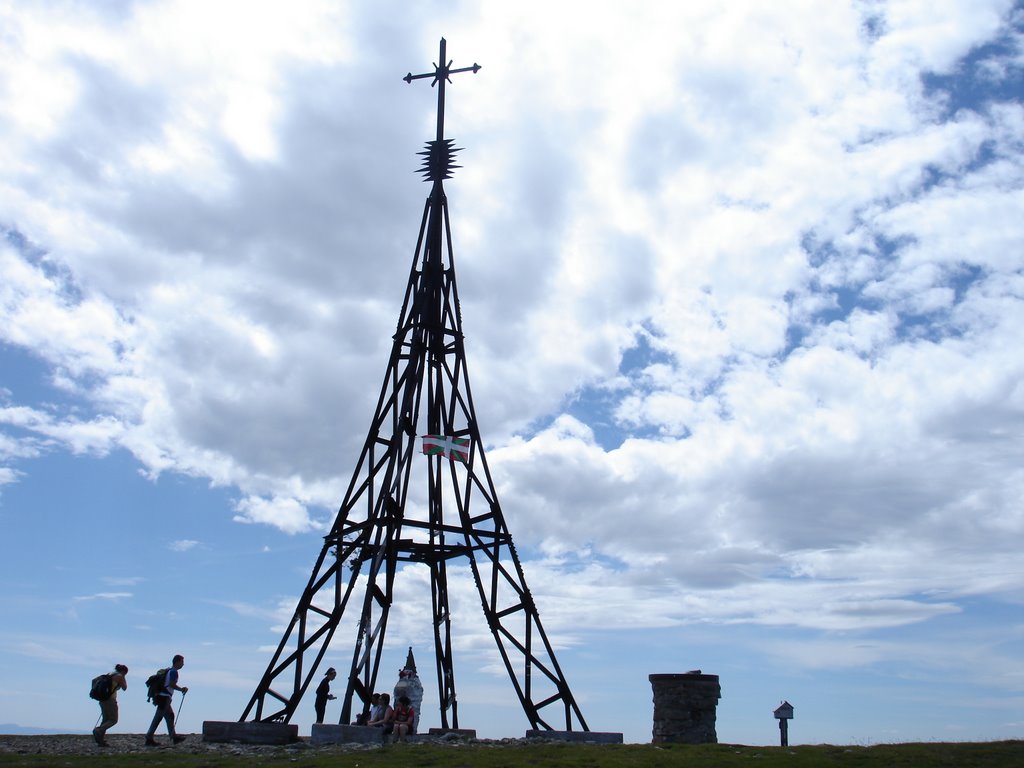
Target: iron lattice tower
{"type": "Point", "coordinates": [373, 533]}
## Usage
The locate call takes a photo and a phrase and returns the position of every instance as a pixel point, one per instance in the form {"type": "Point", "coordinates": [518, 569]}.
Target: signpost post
{"type": "Point", "coordinates": [784, 713]}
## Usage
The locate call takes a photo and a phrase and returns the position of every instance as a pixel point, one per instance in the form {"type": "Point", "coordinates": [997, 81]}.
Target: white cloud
{"type": "Point", "coordinates": [105, 596]}
{"type": "Point", "coordinates": [289, 515]}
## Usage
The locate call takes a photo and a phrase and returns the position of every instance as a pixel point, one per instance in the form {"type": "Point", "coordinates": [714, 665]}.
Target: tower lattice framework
{"type": "Point", "coordinates": [354, 576]}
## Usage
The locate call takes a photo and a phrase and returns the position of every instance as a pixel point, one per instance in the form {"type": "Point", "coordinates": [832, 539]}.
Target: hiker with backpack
{"type": "Point", "coordinates": [104, 690]}
{"type": "Point", "coordinates": [161, 690]}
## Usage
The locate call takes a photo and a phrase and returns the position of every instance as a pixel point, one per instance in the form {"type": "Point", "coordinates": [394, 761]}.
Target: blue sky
{"type": "Point", "coordinates": [743, 295]}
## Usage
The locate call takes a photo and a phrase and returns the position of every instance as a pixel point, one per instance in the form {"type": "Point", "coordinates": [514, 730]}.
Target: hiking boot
{"type": "Point", "coordinates": [97, 737]}
{"type": "Point", "coordinates": [178, 739]}
{"type": "Point", "coordinates": [152, 743]}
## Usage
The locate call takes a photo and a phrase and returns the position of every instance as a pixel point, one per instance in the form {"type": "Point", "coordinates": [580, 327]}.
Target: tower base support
{"type": "Point", "coordinates": [250, 732]}
{"type": "Point", "coordinates": [596, 737]}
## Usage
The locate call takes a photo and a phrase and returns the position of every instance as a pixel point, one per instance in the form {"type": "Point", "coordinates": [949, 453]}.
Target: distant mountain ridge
{"type": "Point", "coordinates": [13, 729]}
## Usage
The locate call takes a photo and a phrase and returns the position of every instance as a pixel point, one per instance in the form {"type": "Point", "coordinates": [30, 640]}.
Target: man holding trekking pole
{"type": "Point", "coordinates": [162, 699]}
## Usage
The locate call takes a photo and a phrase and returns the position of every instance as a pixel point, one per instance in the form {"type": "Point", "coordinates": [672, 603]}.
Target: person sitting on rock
{"type": "Point", "coordinates": [363, 718]}
{"type": "Point", "coordinates": [385, 715]}
{"type": "Point", "coordinates": [404, 718]}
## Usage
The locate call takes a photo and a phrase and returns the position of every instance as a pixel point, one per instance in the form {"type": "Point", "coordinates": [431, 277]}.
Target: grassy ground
{"type": "Point", "coordinates": [1005, 754]}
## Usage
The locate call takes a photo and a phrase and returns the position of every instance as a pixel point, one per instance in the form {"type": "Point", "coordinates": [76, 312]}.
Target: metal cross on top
{"type": "Point", "coordinates": [441, 74]}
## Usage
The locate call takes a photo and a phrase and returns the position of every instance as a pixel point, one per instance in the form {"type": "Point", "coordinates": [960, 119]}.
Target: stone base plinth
{"type": "Point", "coordinates": [326, 733]}
{"type": "Point", "coordinates": [250, 733]}
{"type": "Point", "coordinates": [598, 737]}
{"type": "Point", "coordinates": [685, 707]}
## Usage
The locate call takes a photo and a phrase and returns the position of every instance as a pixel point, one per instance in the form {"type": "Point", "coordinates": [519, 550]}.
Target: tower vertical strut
{"type": "Point", "coordinates": [377, 527]}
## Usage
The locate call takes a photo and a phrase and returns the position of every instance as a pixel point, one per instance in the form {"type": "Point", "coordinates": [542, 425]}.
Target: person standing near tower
{"type": "Point", "coordinates": [108, 707]}
{"type": "Point", "coordinates": [323, 694]}
{"type": "Point", "coordinates": [163, 703]}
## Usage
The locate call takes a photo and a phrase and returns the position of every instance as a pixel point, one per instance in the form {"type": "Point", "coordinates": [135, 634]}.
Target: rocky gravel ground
{"type": "Point", "coordinates": [129, 743]}
{"type": "Point", "coordinates": [126, 743]}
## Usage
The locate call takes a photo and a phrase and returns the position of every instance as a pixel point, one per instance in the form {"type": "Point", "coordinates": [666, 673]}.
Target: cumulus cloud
{"type": "Point", "coordinates": [289, 515]}
{"type": "Point", "coordinates": [749, 292]}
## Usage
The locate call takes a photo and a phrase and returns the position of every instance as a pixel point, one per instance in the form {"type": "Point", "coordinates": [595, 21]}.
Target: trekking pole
{"type": "Point", "coordinates": [180, 706]}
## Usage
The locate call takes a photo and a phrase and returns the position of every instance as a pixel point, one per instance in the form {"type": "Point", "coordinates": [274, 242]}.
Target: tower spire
{"type": "Point", "coordinates": [440, 153]}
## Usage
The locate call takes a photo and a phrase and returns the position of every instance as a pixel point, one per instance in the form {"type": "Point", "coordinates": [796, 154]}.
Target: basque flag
{"type": "Point", "coordinates": [442, 445]}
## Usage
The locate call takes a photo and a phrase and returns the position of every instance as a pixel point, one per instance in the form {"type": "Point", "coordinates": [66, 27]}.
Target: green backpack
{"type": "Point", "coordinates": [154, 684]}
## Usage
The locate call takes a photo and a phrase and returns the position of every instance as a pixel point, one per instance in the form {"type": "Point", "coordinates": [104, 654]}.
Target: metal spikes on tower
{"type": "Point", "coordinates": [377, 527]}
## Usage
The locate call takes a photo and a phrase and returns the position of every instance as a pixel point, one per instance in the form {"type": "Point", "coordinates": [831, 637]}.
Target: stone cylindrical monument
{"type": "Point", "coordinates": [684, 708]}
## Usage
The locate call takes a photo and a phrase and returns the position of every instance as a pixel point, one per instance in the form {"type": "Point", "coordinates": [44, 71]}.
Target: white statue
{"type": "Point", "coordinates": [409, 685]}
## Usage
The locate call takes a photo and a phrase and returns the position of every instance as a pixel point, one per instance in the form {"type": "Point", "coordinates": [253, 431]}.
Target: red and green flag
{"type": "Point", "coordinates": [456, 448]}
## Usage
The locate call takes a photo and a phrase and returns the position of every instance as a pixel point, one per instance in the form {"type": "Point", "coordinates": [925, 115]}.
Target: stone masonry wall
{"type": "Point", "coordinates": [684, 708]}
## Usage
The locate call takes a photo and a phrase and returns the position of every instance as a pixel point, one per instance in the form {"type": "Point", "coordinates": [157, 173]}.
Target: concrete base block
{"type": "Point", "coordinates": [599, 737]}
{"type": "Point", "coordinates": [250, 733]}
{"type": "Point", "coordinates": [326, 733]}
{"type": "Point", "coordinates": [462, 733]}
